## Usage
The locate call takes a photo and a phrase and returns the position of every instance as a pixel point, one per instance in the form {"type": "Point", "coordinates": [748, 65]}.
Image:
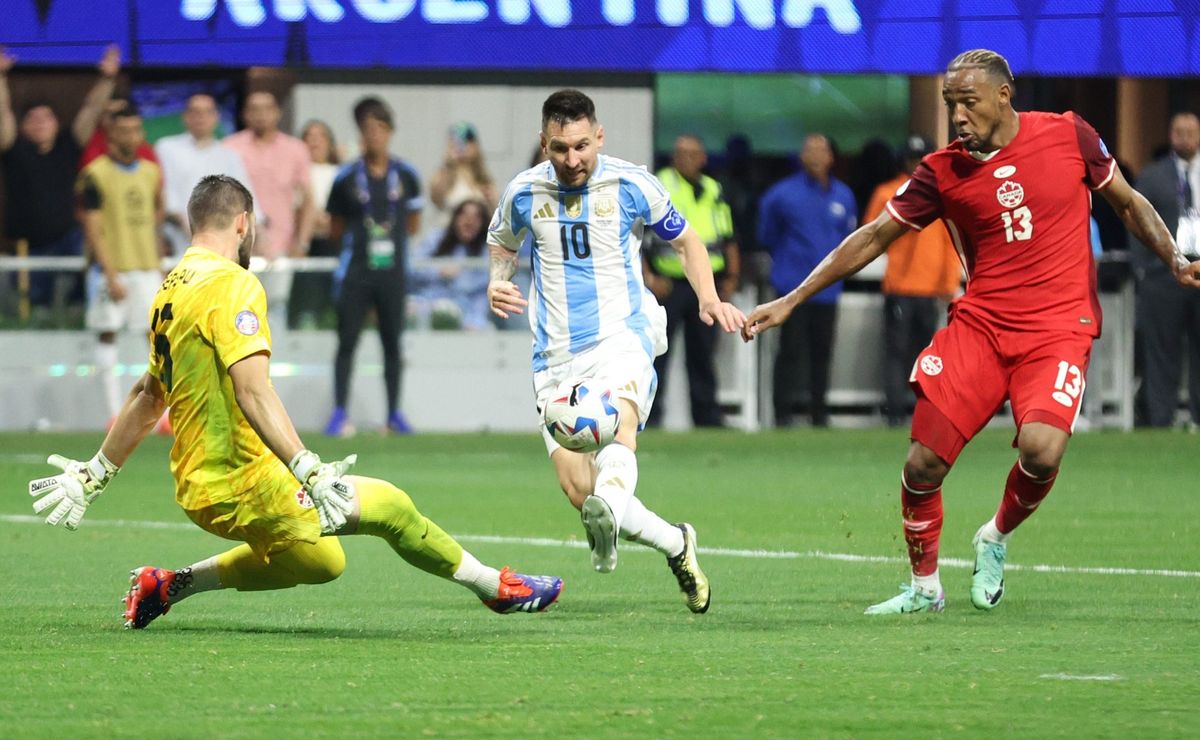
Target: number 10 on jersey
{"type": "Point", "coordinates": [575, 241]}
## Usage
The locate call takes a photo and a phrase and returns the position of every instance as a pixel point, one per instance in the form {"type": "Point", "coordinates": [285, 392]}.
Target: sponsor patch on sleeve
{"type": "Point", "coordinates": [246, 322]}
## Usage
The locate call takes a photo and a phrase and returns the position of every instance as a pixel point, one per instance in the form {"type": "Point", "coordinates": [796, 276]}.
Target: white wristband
{"type": "Point", "coordinates": [101, 468]}
{"type": "Point", "coordinates": [303, 464]}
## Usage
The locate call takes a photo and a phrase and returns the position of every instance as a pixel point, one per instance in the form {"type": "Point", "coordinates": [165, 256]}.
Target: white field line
{"type": "Point", "coordinates": [1074, 677]}
{"type": "Point", "coordinates": [489, 539]}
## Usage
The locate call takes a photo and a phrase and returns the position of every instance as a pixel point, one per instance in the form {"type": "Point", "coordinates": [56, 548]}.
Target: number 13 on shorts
{"type": "Point", "coordinates": [1068, 385]}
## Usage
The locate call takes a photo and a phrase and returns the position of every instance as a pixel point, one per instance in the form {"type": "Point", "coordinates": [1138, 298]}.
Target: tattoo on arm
{"type": "Point", "coordinates": [1148, 227]}
{"type": "Point", "coordinates": [504, 263]}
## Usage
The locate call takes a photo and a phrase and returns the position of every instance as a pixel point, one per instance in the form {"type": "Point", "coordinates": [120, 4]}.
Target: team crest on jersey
{"type": "Point", "coordinates": [1010, 194]}
{"type": "Point", "coordinates": [574, 205]}
{"type": "Point", "coordinates": [304, 499]}
{"type": "Point", "coordinates": [246, 323]}
{"type": "Point", "coordinates": [1004, 171]}
{"type": "Point", "coordinates": [931, 365]}
{"type": "Point", "coordinates": [605, 207]}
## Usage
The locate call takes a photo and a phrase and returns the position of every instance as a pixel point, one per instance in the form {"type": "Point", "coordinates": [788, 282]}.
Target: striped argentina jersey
{"type": "Point", "coordinates": [587, 265]}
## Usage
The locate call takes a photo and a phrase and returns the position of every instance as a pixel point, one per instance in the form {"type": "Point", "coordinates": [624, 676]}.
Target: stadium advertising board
{"type": "Point", "coordinates": [1048, 37]}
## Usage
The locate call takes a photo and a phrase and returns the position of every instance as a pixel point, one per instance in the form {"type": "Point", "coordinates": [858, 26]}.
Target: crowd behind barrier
{"type": "Point", "coordinates": [94, 215]}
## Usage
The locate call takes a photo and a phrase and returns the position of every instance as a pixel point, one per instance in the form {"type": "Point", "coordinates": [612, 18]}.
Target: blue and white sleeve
{"type": "Point", "coordinates": [660, 212]}
{"type": "Point", "coordinates": [511, 219]}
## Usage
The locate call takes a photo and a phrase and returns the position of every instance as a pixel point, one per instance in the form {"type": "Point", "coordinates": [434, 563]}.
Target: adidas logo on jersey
{"type": "Point", "coordinates": [545, 212]}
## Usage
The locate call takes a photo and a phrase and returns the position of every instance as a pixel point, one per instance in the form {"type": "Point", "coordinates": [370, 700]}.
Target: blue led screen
{"type": "Point", "coordinates": [1045, 37]}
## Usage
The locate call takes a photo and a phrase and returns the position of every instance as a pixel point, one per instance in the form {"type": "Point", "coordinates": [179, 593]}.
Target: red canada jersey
{"type": "Point", "coordinates": [1019, 221]}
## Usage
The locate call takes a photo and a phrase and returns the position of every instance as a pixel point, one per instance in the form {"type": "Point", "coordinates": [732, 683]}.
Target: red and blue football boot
{"type": "Point", "coordinates": [522, 593]}
{"type": "Point", "coordinates": [148, 596]}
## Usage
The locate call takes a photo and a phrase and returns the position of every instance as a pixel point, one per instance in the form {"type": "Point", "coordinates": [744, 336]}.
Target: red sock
{"type": "Point", "coordinates": [921, 505]}
{"type": "Point", "coordinates": [1022, 494]}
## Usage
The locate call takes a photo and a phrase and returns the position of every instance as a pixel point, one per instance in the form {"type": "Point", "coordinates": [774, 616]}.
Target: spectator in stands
{"type": "Point", "coordinates": [698, 199]}
{"type": "Point", "coordinates": [375, 206]}
{"type": "Point", "coordinates": [312, 292]}
{"type": "Point", "coordinates": [453, 294]}
{"type": "Point", "coordinates": [186, 158]}
{"type": "Point", "coordinates": [41, 162]}
{"type": "Point", "coordinates": [464, 174]}
{"type": "Point", "coordinates": [121, 195]}
{"type": "Point", "coordinates": [923, 270]}
{"type": "Point", "coordinates": [280, 177]}
{"type": "Point", "coordinates": [1168, 315]}
{"type": "Point", "coordinates": [801, 219]}
{"type": "Point", "coordinates": [97, 145]}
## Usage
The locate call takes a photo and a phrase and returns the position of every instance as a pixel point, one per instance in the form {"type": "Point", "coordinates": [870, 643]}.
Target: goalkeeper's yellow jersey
{"type": "Point", "coordinates": [209, 314]}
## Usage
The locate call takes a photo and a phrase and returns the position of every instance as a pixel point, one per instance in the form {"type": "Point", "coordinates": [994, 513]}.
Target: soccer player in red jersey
{"type": "Point", "coordinates": [1014, 190]}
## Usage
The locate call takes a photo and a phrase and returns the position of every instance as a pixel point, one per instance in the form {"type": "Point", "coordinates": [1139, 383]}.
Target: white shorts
{"type": "Point", "coordinates": [624, 361]}
{"type": "Point", "coordinates": [131, 312]}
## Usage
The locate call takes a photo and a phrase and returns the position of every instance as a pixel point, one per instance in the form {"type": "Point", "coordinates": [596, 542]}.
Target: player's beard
{"type": "Point", "coordinates": [245, 247]}
{"type": "Point", "coordinates": [568, 176]}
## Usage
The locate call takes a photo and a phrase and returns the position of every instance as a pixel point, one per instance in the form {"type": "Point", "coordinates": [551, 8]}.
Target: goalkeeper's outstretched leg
{"type": "Point", "coordinates": [380, 510]}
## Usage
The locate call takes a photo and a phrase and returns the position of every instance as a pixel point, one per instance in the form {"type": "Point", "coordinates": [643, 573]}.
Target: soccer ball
{"type": "Point", "coordinates": [582, 414]}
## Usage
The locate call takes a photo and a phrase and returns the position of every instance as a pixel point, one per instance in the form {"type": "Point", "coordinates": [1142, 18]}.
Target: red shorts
{"type": "Point", "coordinates": [971, 367]}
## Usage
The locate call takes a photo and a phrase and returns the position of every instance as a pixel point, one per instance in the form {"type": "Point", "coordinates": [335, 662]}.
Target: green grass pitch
{"type": "Point", "coordinates": [785, 650]}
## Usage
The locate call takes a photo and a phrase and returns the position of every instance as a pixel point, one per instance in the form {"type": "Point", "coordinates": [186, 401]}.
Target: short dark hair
{"type": "Point", "coordinates": [35, 103]}
{"type": "Point", "coordinates": [567, 106]}
{"type": "Point", "coordinates": [989, 61]}
{"type": "Point", "coordinates": [216, 201]}
{"type": "Point", "coordinates": [128, 111]}
{"type": "Point", "coordinates": [372, 107]}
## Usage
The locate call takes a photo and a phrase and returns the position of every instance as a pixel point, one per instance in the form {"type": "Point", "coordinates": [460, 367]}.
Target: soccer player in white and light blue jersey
{"type": "Point", "coordinates": [592, 316]}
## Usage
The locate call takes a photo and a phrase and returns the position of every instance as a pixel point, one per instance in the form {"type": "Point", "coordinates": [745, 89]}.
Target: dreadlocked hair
{"type": "Point", "coordinates": [985, 59]}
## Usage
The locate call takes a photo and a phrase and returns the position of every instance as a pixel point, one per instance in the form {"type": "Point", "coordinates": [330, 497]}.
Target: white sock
{"type": "Point", "coordinates": [484, 581]}
{"type": "Point", "coordinates": [644, 526]}
{"type": "Point", "coordinates": [106, 363]}
{"type": "Point", "coordinates": [930, 585]}
{"type": "Point", "coordinates": [991, 533]}
{"type": "Point", "coordinates": [616, 478]}
{"type": "Point", "coordinates": [194, 579]}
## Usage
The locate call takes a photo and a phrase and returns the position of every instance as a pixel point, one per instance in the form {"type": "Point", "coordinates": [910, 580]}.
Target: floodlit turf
{"type": "Point", "coordinates": [784, 651]}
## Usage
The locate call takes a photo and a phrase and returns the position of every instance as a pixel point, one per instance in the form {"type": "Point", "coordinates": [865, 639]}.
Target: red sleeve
{"type": "Point", "coordinates": [145, 151]}
{"type": "Point", "coordinates": [95, 146]}
{"type": "Point", "coordinates": [1098, 164]}
{"type": "Point", "coordinates": [917, 203]}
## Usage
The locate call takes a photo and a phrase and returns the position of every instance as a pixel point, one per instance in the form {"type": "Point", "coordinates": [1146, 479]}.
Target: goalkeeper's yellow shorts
{"type": "Point", "coordinates": [271, 517]}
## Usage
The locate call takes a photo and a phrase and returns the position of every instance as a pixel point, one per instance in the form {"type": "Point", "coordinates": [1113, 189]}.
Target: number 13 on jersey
{"type": "Point", "coordinates": [1018, 224]}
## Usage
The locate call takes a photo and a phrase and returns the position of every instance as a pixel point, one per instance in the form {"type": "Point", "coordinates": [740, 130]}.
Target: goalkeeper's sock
{"type": "Point", "coordinates": [616, 478]}
{"type": "Point", "coordinates": [644, 526]}
{"type": "Point", "coordinates": [106, 363]}
{"type": "Point", "coordinates": [388, 513]}
{"type": "Point", "coordinates": [194, 579]}
{"type": "Point", "coordinates": [481, 579]}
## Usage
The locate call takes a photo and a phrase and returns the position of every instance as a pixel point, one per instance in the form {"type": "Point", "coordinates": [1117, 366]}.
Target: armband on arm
{"type": "Point", "coordinates": [670, 226]}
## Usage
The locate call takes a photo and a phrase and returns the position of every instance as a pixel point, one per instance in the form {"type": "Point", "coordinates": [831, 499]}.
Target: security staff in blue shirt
{"type": "Point", "coordinates": [801, 219]}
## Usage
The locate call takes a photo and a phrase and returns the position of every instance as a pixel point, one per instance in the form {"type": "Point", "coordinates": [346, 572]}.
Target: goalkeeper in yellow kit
{"type": "Point", "coordinates": [240, 469]}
